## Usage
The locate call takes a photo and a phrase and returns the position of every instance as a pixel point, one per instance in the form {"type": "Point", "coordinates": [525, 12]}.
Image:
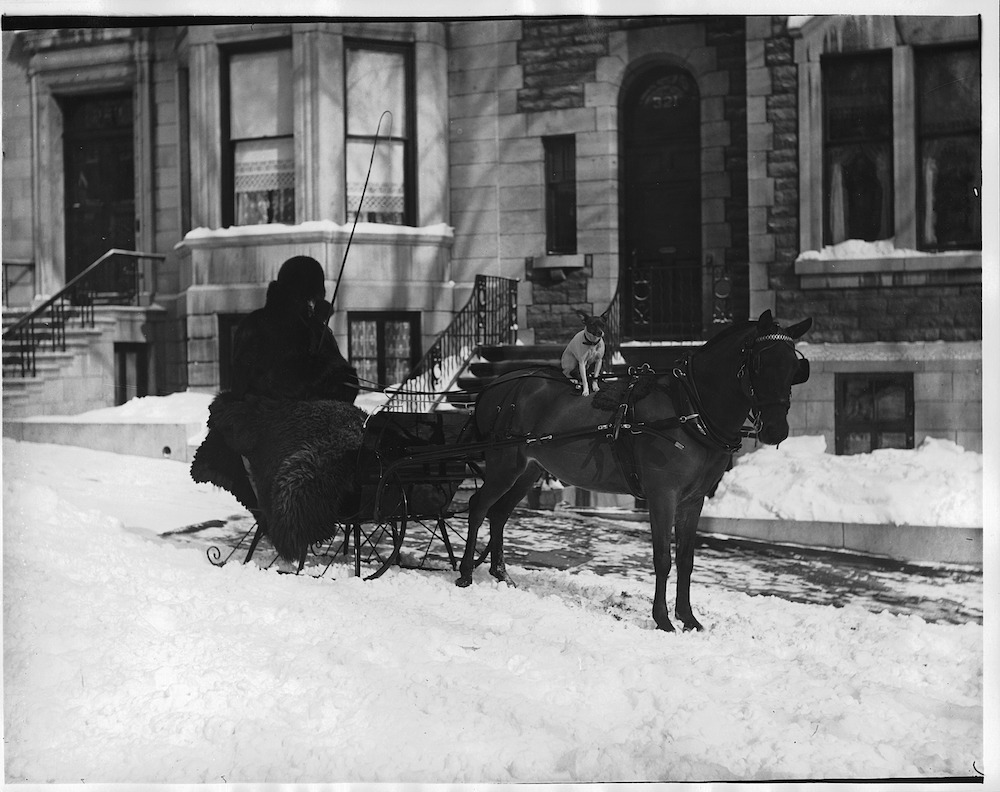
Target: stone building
{"type": "Point", "coordinates": [686, 171]}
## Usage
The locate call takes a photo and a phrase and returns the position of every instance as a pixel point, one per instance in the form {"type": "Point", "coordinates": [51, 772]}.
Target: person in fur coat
{"type": "Point", "coordinates": [284, 439]}
{"type": "Point", "coordinates": [285, 350]}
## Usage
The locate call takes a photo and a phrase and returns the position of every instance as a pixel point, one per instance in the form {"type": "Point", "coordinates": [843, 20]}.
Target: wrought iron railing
{"type": "Point", "coordinates": [613, 331]}
{"type": "Point", "coordinates": [114, 279]}
{"type": "Point", "coordinates": [489, 318]}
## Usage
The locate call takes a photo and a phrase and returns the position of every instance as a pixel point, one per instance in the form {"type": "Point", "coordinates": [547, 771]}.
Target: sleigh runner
{"type": "Point", "coordinates": [410, 468]}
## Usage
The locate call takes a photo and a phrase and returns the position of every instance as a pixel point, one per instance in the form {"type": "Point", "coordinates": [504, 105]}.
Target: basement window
{"type": "Point", "coordinates": [383, 346]}
{"type": "Point", "coordinates": [873, 410]}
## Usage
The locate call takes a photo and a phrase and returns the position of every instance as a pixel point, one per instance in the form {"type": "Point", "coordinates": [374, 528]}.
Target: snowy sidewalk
{"type": "Point", "coordinates": [618, 548]}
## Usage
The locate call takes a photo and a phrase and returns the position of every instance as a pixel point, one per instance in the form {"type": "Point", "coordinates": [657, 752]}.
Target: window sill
{"type": "Point", "coordinates": [963, 267]}
{"type": "Point", "coordinates": [556, 261]}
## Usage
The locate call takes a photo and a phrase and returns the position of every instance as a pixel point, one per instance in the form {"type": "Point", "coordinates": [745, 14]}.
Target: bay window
{"type": "Point", "coordinates": [378, 78]}
{"type": "Point", "coordinates": [259, 168]}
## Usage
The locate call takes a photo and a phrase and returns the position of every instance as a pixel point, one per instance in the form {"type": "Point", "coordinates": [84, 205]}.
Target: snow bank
{"type": "Point", "coordinates": [938, 483]}
{"type": "Point", "coordinates": [130, 660]}
{"type": "Point", "coordinates": [178, 408]}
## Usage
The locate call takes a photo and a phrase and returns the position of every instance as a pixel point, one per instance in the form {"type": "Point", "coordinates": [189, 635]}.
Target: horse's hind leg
{"type": "Point", "coordinates": [498, 515]}
{"type": "Point", "coordinates": [687, 528]}
{"type": "Point", "coordinates": [502, 470]}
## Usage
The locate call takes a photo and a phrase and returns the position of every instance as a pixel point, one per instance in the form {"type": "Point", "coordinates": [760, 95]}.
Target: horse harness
{"type": "Point", "coordinates": [683, 391]}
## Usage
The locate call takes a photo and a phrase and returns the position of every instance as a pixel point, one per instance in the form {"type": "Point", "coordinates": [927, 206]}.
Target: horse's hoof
{"type": "Point", "coordinates": [503, 577]}
{"type": "Point", "coordinates": [691, 623]}
{"type": "Point", "coordinates": [665, 625]}
{"type": "Point", "coordinates": [463, 582]}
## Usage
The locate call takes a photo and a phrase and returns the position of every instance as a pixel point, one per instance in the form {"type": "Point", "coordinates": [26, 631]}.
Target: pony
{"type": "Point", "coordinates": [670, 440]}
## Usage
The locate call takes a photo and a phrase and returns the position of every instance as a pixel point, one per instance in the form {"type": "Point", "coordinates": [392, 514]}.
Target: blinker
{"type": "Point", "coordinates": [801, 371]}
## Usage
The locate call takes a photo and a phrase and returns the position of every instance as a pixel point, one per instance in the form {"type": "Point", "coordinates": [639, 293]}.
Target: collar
{"type": "Point", "coordinates": [587, 339]}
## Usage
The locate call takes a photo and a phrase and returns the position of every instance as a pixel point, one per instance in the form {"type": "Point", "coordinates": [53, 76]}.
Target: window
{"type": "Point", "coordinates": [873, 411]}
{"type": "Point", "coordinates": [379, 78]}
{"type": "Point", "coordinates": [949, 141]}
{"type": "Point", "coordinates": [260, 167]}
{"type": "Point", "coordinates": [857, 147]}
{"type": "Point", "coordinates": [383, 346]}
{"type": "Point", "coordinates": [560, 194]}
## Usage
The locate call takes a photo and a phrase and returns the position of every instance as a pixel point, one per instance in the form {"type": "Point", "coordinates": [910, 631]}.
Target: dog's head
{"type": "Point", "coordinates": [594, 325]}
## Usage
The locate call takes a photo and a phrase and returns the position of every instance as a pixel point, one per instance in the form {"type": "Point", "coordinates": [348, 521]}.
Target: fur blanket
{"type": "Point", "coordinates": [303, 458]}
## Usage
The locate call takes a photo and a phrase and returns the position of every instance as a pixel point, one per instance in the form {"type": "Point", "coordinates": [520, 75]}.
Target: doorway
{"type": "Point", "coordinates": [661, 271]}
{"type": "Point", "coordinates": [100, 185]}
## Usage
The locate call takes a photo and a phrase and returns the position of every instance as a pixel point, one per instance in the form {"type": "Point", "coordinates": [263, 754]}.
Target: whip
{"type": "Point", "coordinates": [361, 203]}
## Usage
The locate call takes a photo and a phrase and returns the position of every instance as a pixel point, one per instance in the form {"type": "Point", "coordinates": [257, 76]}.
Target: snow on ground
{"type": "Point", "coordinates": [938, 483]}
{"type": "Point", "coordinates": [130, 659]}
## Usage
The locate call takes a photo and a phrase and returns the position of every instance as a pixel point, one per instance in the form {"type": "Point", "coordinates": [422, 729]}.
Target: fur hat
{"type": "Point", "coordinates": [303, 276]}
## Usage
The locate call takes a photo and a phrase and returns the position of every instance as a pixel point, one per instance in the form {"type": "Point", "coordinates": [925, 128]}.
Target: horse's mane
{"type": "Point", "coordinates": [736, 328]}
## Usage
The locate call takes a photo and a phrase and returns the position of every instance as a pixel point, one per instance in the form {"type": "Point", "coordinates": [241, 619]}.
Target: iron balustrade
{"type": "Point", "coordinates": [108, 281]}
{"type": "Point", "coordinates": [489, 318]}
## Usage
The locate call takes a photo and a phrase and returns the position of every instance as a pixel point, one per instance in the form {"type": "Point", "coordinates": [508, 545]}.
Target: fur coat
{"type": "Point", "coordinates": [281, 351]}
{"type": "Point", "coordinates": [303, 459]}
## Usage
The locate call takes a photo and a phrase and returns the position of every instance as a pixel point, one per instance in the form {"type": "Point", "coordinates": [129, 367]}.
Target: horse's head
{"type": "Point", "coordinates": [770, 368]}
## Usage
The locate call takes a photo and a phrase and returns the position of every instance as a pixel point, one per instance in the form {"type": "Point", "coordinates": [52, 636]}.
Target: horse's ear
{"type": "Point", "coordinates": [765, 321]}
{"type": "Point", "coordinates": [799, 330]}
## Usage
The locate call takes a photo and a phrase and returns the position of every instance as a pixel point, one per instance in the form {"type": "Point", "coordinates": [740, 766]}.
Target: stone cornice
{"type": "Point", "coordinates": [71, 38]}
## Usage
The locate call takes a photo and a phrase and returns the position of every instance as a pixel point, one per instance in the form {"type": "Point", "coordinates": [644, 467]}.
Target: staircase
{"type": "Point", "coordinates": [63, 381]}
{"type": "Point", "coordinates": [59, 357]}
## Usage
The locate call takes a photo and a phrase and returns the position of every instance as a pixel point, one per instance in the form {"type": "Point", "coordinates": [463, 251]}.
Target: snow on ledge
{"type": "Point", "coordinates": [322, 228]}
{"type": "Point", "coordinates": [860, 249]}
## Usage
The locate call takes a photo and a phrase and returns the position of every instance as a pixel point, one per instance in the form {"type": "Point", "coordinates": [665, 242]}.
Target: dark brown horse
{"type": "Point", "coordinates": [671, 443]}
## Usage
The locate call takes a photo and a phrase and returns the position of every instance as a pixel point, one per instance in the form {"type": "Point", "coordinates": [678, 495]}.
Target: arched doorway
{"type": "Point", "coordinates": [661, 272]}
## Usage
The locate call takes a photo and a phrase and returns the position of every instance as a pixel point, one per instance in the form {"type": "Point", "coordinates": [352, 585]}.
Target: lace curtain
{"type": "Point", "coordinates": [264, 182]}
{"type": "Point", "coordinates": [860, 194]}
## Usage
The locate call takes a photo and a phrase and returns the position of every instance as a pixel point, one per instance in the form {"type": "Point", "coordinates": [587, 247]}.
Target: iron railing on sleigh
{"type": "Point", "coordinates": [108, 281]}
{"type": "Point", "coordinates": [489, 318]}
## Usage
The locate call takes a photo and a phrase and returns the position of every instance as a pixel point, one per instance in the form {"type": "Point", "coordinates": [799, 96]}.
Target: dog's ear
{"type": "Point", "coordinates": [582, 314]}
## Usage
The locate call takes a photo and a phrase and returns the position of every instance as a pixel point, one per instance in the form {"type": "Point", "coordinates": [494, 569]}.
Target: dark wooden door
{"type": "Point", "coordinates": [100, 184]}
{"type": "Point", "coordinates": [661, 253]}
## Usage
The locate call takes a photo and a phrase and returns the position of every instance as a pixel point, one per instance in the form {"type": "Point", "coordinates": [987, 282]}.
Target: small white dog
{"type": "Point", "coordinates": [586, 352]}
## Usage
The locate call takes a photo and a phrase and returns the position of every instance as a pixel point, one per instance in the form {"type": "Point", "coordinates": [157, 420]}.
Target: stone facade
{"type": "Point", "coordinates": [875, 315]}
{"type": "Point", "coordinates": [487, 93]}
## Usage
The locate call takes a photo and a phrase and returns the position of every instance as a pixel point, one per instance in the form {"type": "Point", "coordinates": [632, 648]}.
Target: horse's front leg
{"type": "Point", "coordinates": [661, 520]}
{"type": "Point", "coordinates": [687, 531]}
